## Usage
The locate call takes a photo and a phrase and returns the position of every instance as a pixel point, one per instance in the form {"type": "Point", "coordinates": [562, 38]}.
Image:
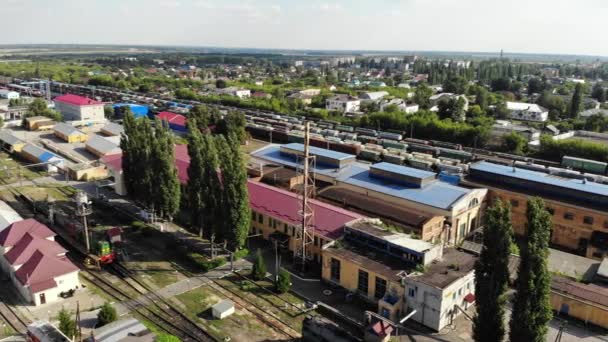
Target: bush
{"type": "Point", "coordinates": [241, 253]}
{"type": "Point", "coordinates": [206, 264]}
{"type": "Point", "coordinates": [167, 338]}
{"type": "Point", "coordinates": [107, 314]}
{"type": "Point", "coordinates": [259, 267]}
{"type": "Point", "coordinates": [138, 225]}
{"type": "Point", "coordinates": [66, 324]}
{"type": "Point", "coordinates": [283, 282]}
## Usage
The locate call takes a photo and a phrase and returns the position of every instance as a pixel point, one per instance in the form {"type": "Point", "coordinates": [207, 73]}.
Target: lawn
{"type": "Point", "coordinates": [11, 169]}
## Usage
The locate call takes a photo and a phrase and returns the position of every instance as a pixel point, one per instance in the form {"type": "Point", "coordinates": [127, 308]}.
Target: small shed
{"type": "Point", "coordinates": [10, 142]}
{"type": "Point", "coordinates": [39, 123]}
{"type": "Point", "coordinates": [69, 133]}
{"type": "Point", "coordinates": [223, 309]}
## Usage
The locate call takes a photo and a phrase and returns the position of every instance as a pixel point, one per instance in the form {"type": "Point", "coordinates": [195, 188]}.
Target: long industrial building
{"type": "Point", "coordinates": [453, 211]}
{"type": "Point", "coordinates": [577, 206]}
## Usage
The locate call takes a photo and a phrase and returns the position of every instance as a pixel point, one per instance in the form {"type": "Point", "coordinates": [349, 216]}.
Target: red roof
{"type": "Point", "coordinates": [76, 100]}
{"type": "Point", "coordinates": [13, 233]}
{"type": "Point", "coordinates": [283, 205]}
{"type": "Point", "coordinates": [172, 118]}
{"type": "Point", "coordinates": [25, 248]}
{"type": "Point", "coordinates": [41, 269]}
{"type": "Point", "coordinates": [182, 162]}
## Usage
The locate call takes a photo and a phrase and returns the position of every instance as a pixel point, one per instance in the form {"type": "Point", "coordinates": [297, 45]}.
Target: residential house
{"type": "Point", "coordinates": [401, 104]}
{"type": "Point", "coordinates": [527, 111]}
{"type": "Point", "coordinates": [343, 103]}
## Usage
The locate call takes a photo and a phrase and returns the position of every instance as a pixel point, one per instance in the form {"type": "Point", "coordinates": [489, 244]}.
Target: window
{"type": "Point", "coordinates": [473, 203]}
{"type": "Point", "coordinates": [335, 270]}
{"type": "Point", "coordinates": [514, 203]}
{"type": "Point", "coordinates": [460, 292]}
{"type": "Point", "coordinates": [363, 282]}
{"type": "Point", "coordinates": [253, 216]}
{"type": "Point", "coordinates": [261, 218]}
{"type": "Point", "coordinates": [605, 224]}
{"type": "Point", "coordinates": [551, 211]}
{"type": "Point", "coordinates": [285, 228]}
{"type": "Point", "coordinates": [411, 292]}
{"type": "Point", "coordinates": [380, 288]}
{"type": "Point", "coordinates": [588, 220]}
{"type": "Point", "coordinates": [569, 216]}
{"type": "Point", "coordinates": [453, 295]}
{"type": "Point", "coordinates": [316, 241]}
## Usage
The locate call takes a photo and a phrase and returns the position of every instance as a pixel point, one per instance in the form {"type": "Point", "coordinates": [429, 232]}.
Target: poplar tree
{"type": "Point", "coordinates": [196, 197]}
{"type": "Point", "coordinates": [165, 189]}
{"type": "Point", "coordinates": [492, 274]}
{"type": "Point", "coordinates": [235, 195]}
{"type": "Point", "coordinates": [211, 191]}
{"type": "Point", "coordinates": [531, 306]}
{"type": "Point", "coordinates": [576, 103]}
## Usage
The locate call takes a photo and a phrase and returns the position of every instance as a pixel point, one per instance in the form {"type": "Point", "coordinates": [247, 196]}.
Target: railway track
{"type": "Point", "coordinates": [148, 306]}
{"type": "Point", "coordinates": [12, 319]}
{"type": "Point", "coordinates": [245, 304]}
{"type": "Point", "coordinates": [167, 308]}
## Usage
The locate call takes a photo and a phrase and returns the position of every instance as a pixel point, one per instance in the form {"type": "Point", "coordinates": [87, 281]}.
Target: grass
{"type": "Point", "coordinates": [196, 301]}
{"type": "Point", "coordinates": [161, 278]}
{"type": "Point", "coordinates": [41, 193]}
{"type": "Point", "coordinates": [14, 168]}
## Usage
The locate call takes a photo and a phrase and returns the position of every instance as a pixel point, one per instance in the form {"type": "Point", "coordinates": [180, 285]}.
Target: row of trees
{"type": "Point", "coordinates": [531, 307]}
{"type": "Point", "coordinates": [217, 187]}
{"type": "Point", "coordinates": [148, 162]}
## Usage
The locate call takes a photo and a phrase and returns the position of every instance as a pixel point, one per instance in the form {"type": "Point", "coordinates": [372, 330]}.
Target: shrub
{"type": "Point", "coordinates": [259, 267]}
{"type": "Point", "coordinates": [107, 314]}
{"type": "Point", "coordinates": [66, 324]}
{"type": "Point", "coordinates": [167, 338]}
{"type": "Point", "coordinates": [283, 282]}
{"type": "Point", "coordinates": [206, 264]}
{"type": "Point", "coordinates": [241, 253]}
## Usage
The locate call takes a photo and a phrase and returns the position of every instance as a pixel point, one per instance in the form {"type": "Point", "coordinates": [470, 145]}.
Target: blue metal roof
{"type": "Point", "coordinates": [404, 170]}
{"type": "Point", "coordinates": [320, 151]}
{"type": "Point", "coordinates": [541, 177]}
{"type": "Point", "coordinates": [46, 156]}
{"type": "Point", "coordinates": [437, 194]}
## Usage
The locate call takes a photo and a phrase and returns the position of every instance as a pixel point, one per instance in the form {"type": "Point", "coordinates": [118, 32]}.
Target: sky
{"type": "Point", "coordinates": [532, 26]}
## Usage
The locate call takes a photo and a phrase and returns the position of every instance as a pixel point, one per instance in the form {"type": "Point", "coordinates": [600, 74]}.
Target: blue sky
{"type": "Point", "coordinates": [543, 26]}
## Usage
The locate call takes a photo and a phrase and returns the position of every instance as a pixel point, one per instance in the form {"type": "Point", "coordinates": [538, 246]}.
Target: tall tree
{"type": "Point", "coordinates": [492, 274]}
{"type": "Point", "coordinates": [66, 324]}
{"type": "Point", "coordinates": [598, 92]}
{"type": "Point", "coordinates": [422, 95]}
{"type": "Point", "coordinates": [576, 104]}
{"type": "Point", "coordinates": [196, 196]}
{"type": "Point", "coordinates": [235, 200]}
{"type": "Point", "coordinates": [166, 191]}
{"type": "Point", "coordinates": [531, 306]}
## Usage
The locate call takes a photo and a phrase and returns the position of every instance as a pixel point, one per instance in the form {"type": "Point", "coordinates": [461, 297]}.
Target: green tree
{"type": "Point", "coordinates": [166, 191]}
{"type": "Point", "coordinates": [233, 123]}
{"type": "Point", "coordinates": [66, 324]}
{"type": "Point", "coordinates": [514, 143]}
{"type": "Point", "coordinates": [598, 92]}
{"type": "Point", "coordinates": [167, 338]}
{"type": "Point", "coordinates": [457, 85]}
{"type": "Point", "coordinates": [531, 306]}
{"type": "Point", "coordinates": [39, 107]}
{"type": "Point", "coordinates": [258, 272]}
{"type": "Point", "coordinates": [576, 104]}
{"type": "Point", "coordinates": [422, 94]}
{"type": "Point", "coordinates": [492, 274]}
{"type": "Point", "coordinates": [220, 84]}
{"type": "Point", "coordinates": [107, 314]}
{"type": "Point", "coordinates": [196, 196]}
{"type": "Point", "coordinates": [283, 281]}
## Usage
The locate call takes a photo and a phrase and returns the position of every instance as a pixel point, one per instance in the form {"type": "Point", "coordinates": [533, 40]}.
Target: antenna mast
{"type": "Point", "coordinates": [307, 192]}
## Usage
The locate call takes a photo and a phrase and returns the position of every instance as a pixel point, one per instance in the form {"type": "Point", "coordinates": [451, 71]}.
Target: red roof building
{"type": "Point", "coordinates": [36, 263]}
{"type": "Point", "coordinates": [76, 100]}
{"type": "Point", "coordinates": [176, 121]}
{"type": "Point", "coordinates": [11, 235]}
{"type": "Point", "coordinates": [328, 220]}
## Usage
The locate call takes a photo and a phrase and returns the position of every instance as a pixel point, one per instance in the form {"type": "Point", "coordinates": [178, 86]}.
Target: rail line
{"type": "Point", "coordinates": [12, 319]}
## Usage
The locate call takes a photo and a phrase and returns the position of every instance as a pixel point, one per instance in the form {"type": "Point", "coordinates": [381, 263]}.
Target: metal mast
{"type": "Point", "coordinates": [307, 191]}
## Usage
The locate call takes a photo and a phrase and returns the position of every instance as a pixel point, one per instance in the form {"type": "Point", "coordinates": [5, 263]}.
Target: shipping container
{"type": "Point", "coordinates": [393, 159]}
{"type": "Point", "coordinates": [391, 136]}
{"type": "Point", "coordinates": [420, 164]}
{"type": "Point", "coordinates": [585, 165]}
{"type": "Point", "coordinates": [394, 144]}
{"type": "Point", "coordinates": [372, 156]}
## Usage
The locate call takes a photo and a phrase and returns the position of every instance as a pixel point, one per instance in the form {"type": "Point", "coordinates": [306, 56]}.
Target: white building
{"type": "Point", "coordinates": [79, 108]}
{"type": "Point", "coordinates": [36, 264]}
{"type": "Point", "coordinates": [527, 111]}
{"type": "Point", "coordinates": [439, 292]}
{"type": "Point", "coordinates": [401, 104]}
{"type": "Point", "coordinates": [238, 92]}
{"type": "Point", "coordinates": [8, 94]}
{"type": "Point", "coordinates": [7, 215]}
{"type": "Point", "coordinates": [343, 103]}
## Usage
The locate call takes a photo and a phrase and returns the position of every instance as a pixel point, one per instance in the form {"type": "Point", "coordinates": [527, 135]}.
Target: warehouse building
{"type": "Point", "coordinates": [401, 274]}
{"type": "Point", "coordinates": [276, 212]}
{"type": "Point", "coordinates": [577, 207]}
{"type": "Point", "coordinates": [452, 211]}
{"type": "Point", "coordinates": [69, 133]}
{"type": "Point", "coordinates": [177, 122]}
{"type": "Point", "coordinates": [11, 143]}
{"type": "Point", "coordinates": [112, 129]}
{"type": "Point", "coordinates": [80, 109]}
{"type": "Point", "coordinates": [139, 111]}
{"type": "Point", "coordinates": [37, 265]}
{"type": "Point", "coordinates": [37, 154]}
{"type": "Point", "coordinates": [39, 123]}
{"type": "Point", "coordinates": [103, 146]}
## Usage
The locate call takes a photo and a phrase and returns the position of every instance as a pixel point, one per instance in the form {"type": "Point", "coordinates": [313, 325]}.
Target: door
{"type": "Point", "coordinates": [564, 309]}
{"type": "Point", "coordinates": [42, 298]}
